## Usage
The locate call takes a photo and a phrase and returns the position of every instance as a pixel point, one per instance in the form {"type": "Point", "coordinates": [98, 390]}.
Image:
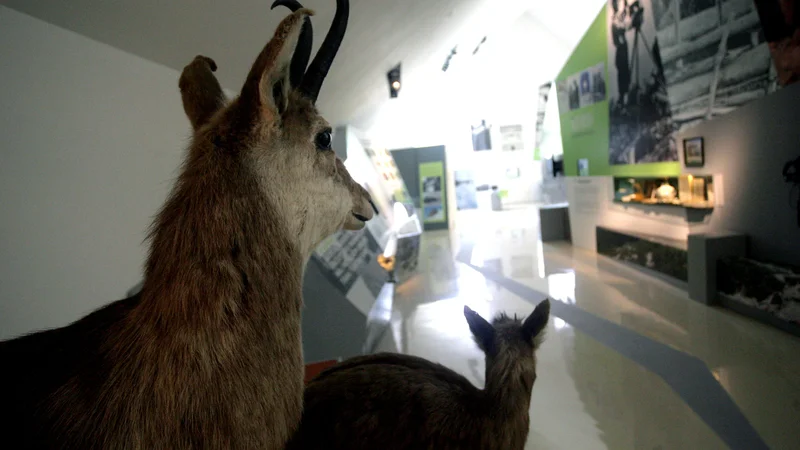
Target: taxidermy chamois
{"type": "Point", "coordinates": [208, 354]}
{"type": "Point", "coordinates": [390, 401]}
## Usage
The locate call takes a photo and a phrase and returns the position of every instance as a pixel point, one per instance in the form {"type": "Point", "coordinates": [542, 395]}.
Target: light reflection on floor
{"type": "Point", "coordinates": [588, 396]}
{"type": "Point", "coordinates": [561, 286]}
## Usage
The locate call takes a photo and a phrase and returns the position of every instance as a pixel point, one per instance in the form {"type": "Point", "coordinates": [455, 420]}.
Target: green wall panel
{"type": "Point", "coordinates": [584, 132]}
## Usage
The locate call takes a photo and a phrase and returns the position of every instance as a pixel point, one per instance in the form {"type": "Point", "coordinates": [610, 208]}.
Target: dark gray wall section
{"type": "Point", "coordinates": [407, 165]}
{"type": "Point", "coordinates": [408, 161]}
{"type": "Point", "coordinates": [332, 326]}
{"type": "Point", "coordinates": [704, 252]}
{"type": "Point", "coordinates": [749, 147]}
{"type": "Point", "coordinates": [554, 223]}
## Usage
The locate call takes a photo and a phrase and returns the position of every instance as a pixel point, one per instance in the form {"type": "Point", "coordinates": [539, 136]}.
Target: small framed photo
{"type": "Point", "coordinates": [583, 167]}
{"type": "Point", "coordinates": [693, 152]}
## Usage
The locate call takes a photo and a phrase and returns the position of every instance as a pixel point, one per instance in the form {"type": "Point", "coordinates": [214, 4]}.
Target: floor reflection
{"type": "Point", "coordinates": [587, 395]}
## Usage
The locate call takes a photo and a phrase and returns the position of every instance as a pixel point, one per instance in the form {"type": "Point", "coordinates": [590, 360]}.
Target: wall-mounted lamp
{"type": "Point", "coordinates": [394, 81]}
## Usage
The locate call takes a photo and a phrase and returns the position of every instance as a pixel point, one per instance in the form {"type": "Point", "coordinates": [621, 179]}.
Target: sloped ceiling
{"type": "Point", "coordinates": [381, 33]}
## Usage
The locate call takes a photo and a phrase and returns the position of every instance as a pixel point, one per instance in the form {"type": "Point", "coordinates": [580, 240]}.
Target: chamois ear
{"type": "Point", "coordinates": [535, 324]}
{"type": "Point", "coordinates": [481, 329]}
{"type": "Point", "coordinates": [267, 87]}
{"type": "Point", "coordinates": [201, 93]}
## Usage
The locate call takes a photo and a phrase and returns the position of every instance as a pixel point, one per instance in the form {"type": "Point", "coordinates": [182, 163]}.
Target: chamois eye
{"type": "Point", "coordinates": [323, 140]}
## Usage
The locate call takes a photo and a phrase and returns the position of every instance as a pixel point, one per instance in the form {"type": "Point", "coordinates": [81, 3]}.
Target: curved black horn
{"type": "Point", "coordinates": [302, 52]}
{"type": "Point", "coordinates": [312, 81]}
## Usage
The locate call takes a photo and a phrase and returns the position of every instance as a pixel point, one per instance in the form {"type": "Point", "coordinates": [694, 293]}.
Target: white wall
{"type": "Point", "coordinates": [499, 84]}
{"type": "Point", "coordinates": [90, 139]}
{"type": "Point", "coordinates": [591, 204]}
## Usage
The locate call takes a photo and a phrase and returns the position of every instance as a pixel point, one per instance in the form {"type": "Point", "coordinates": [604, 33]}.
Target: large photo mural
{"type": "Point", "coordinates": [640, 120]}
{"type": "Point", "coordinates": [714, 55]}
{"type": "Point", "coordinates": [670, 65]}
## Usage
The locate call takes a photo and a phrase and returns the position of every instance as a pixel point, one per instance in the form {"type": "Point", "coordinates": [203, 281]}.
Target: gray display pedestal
{"type": "Point", "coordinates": [704, 252]}
{"type": "Point", "coordinates": [554, 222]}
{"type": "Point", "coordinates": [693, 261]}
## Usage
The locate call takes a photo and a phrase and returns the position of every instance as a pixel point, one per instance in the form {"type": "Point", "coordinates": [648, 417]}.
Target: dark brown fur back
{"type": "Point", "coordinates": [389, 401]}
{"type": "Point", "coordinates": [37, 364]}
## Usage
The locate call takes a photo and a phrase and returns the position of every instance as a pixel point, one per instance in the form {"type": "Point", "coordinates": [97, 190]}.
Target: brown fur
{"type": "Point", "coordinates": [389, 401]}
{"type": "Point", "coordinates": [201, 93]}
{"type": "Point", "coordinates": [209, 354]}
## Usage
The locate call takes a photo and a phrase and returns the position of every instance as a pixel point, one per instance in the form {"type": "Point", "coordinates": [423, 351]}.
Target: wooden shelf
{"type": "Point", "coordinates": [706, 207]}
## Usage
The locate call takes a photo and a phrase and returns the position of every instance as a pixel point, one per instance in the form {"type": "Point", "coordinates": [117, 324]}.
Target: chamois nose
{"type": "Point", "coordinates": [367, 209]}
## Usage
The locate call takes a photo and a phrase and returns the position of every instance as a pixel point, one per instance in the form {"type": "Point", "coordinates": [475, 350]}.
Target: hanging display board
{"type": "Point", "coordinates": [481, 137]}
{"type": "Point", "coordinates": [466, 191]}
{"type": "Point", "coordinates": [432, 195]}
{"type": "Point", "coordinates": [511, 138]}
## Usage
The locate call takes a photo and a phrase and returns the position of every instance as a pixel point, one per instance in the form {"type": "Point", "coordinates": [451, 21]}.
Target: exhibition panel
{"type": "Point", "coordinates": [676, 121]}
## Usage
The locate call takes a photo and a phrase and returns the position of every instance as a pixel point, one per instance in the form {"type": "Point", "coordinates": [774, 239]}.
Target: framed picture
{"type": "Point", "coordinates": [693, 152]}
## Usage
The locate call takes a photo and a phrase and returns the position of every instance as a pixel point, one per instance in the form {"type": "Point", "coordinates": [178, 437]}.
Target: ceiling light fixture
{"type": "Point", "coordinates": [446, 64]}
{"type": "Point", "coordinates": [394, 81]}
{"type": "Point", "coordinates": [478, 47]}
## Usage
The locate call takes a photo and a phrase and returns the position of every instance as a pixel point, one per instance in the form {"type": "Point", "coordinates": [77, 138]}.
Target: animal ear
{"type": "Point", "coordinates": [535, 323]}
{"type": "Point", "coordinates": [201, 93]}
{"type": "Point", "coordinates": [266, 90]}
{"type": "Point", "coordinates": [481, 329]}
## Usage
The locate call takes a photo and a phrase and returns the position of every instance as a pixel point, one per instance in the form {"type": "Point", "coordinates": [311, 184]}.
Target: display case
{"type": "Point", "coordinates": [687, 191]}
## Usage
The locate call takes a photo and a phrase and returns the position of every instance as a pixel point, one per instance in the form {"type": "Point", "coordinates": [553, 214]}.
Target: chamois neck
{"type": "Point", "coordinates": [218, 243]}
{"type": "Point", "coordinates": [507, 392]}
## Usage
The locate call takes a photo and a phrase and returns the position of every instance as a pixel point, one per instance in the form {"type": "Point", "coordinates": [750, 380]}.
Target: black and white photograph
{"type": "Point", "coordinates": [714, 55]}
{"type": "Point", "coordinates": [587, 95]}
{"type": "Point", "coordinates": [541, 109]}
{"type": "Point", "coordinates": [598, 82]}
{"type": "Point", "coordinates": [780, 20]}
{"type": "Point", "coordinates": [582, 89]}
{"type": "Point", "coordinates": [481, 137]}
{"type": "Point", "coordinates": [432, 185]}
{"type": "Point", "coordinates": [574, 92]}
{"type": "Point", "coordinates": [640, 119]}
{"type": "Point", "coordinates": [433, 206]}
{"type": "Point", "coordinates": [432, 190]}
{"type": "Point", "coordinates": [562, 93]}
{"type": "Point", "coordinates": [466, 191]}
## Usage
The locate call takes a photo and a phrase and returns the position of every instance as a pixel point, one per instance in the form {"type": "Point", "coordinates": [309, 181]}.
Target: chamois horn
{"type": "Point", "coordinates": [302, 52]}
{"type": "Point", "coordinates": [315, 75]}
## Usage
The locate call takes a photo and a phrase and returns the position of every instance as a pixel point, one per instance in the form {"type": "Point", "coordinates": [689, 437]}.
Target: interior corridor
{"type": "Point", "coordinates": [593, 390]}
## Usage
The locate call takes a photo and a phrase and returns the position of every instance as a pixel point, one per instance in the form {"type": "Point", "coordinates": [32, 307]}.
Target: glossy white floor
{"type": "Point", "coordinates": [587, 395]}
